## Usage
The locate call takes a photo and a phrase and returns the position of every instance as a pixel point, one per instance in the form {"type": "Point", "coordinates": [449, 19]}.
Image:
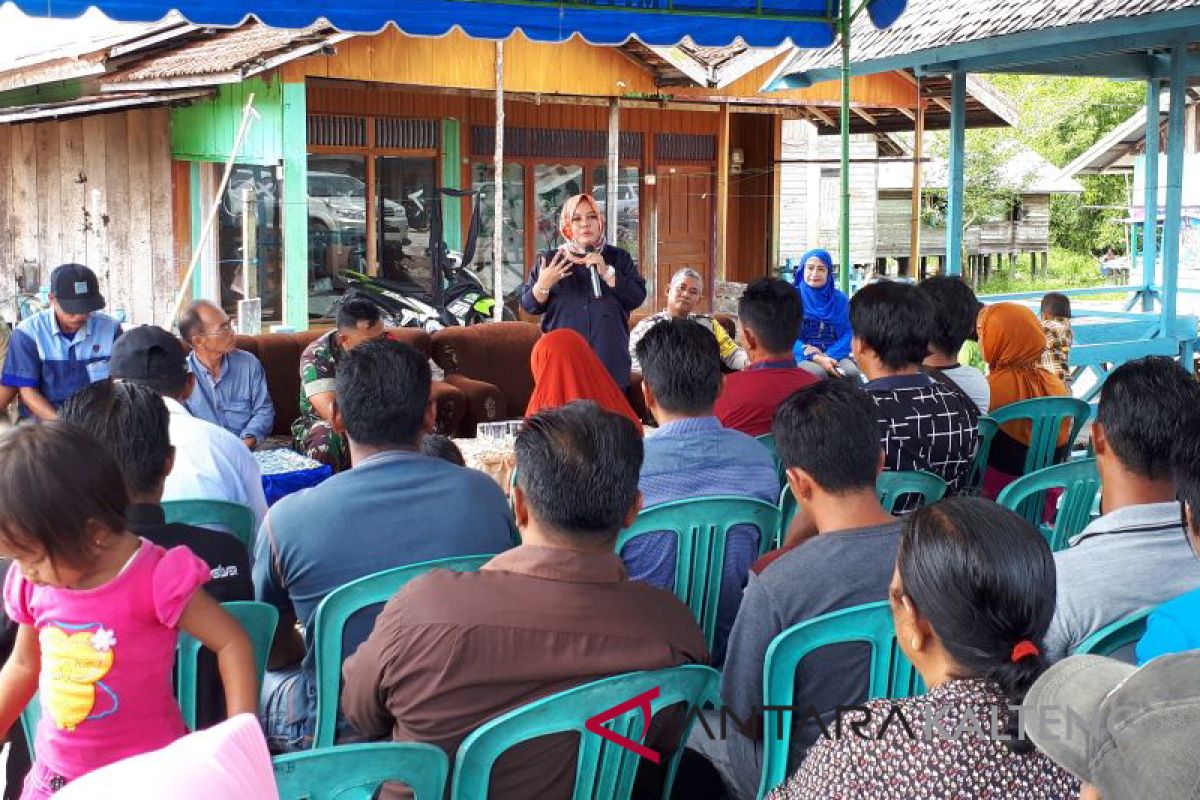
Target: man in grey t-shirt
{"type": "Point", "coordinates": [827, 437]}
{"type": "Point", "coordinates": [1136, 556]}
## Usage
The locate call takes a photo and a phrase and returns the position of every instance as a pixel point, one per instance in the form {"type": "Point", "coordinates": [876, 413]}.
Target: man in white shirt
{"type": "Point", "coordinates": [210, 462]}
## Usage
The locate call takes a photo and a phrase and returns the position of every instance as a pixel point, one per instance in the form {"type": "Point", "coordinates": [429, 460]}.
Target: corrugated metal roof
{"type": "Point", "coordinates": [1025, 167]}
{"type": "Point", "coordinates": [97, 104]}
{"type": "Point", "coordinates": [221, 52]}
{"type": "Point", "coordinates": [928, 24]}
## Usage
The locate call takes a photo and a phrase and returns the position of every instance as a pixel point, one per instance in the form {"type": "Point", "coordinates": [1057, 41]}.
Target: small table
{"type": "Point", "coordinates": [285, 471]}
{"type": "Point", "coordinates": [495, 457]}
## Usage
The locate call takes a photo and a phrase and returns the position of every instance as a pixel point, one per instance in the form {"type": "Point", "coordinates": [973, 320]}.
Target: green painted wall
{"type": "Point", "coordinates": [55, 92]}
{"type": "Point", "coordinates": [294, 150]}
{"type": "Point", "coordinates": [205, 130]}
{"type": "Point", "coordinates": [451, 179]}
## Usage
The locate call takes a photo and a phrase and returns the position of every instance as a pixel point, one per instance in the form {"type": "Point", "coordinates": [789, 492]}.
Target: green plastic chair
{"type": "Point", "coordinates": [891, 486]}
{"type": "Point", "coordinates": [987, 432]}
{"type": "Point", "coordinates": [701, 526]}
{"type": "Point", "coordinates": [603, 769]}
{"type": "Point", "coordinates": [1047, 415]}
{"type": "Point", "coordinates": [259, 620]}
{"type": "Point", "coordinates": [336, 610]}
{"type": "Point", "coordinates": [892, 674]}
{"type": "Point", "coordinates": [768, 441]}
{"type": "Point", "coordinates": [1111, 638]}
{"type": "Point", "coordinates": [1081, 486]}
{"type": "Point", "coordinates": [235, 516]}
{"type": "Point", "coordinates": [355, 771]}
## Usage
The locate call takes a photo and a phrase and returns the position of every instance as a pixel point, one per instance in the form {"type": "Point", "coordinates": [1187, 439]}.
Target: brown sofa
{"type": "Point", "coordinates": [489, 364]}
{"type": "Point", "coordinates": [280, 357]}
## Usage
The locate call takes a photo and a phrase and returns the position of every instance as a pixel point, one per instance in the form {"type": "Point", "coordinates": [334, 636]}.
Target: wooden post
{"type": "Point", "coordinates": [612, 185]}
{"type": "Point", "coordinates": [722, 197]}
{"type": "Point", "coordinates": [914, 248]}
{"type": "Point", "coordinates": [1150, 223]}
{"type": "Point", "coordinates": [954, 212]}
{"type": "Point", "coordinates": [498, 192]}
{"type": "Point", "coordinates": [1173, 212]}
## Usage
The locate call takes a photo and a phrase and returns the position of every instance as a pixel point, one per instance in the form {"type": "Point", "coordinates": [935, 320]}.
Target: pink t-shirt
{"type": "Point", "coordinates": [107, 658]}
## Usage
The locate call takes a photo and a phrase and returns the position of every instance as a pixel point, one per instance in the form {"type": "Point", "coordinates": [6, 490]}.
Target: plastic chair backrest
{"type": "Point", "coordinates": [335, 611]}
{"type": "Point", "coordinates": [768, 441]}
{"type": "Point", "coordinates": [1048, 416]}
{"type": "Point", "coordinates": [1080, 484]}
{"type": "Point", "coordinates": [603, 769]}
{"type": "Point", "coordinates": [259, 620]}
{"type": "Point", "coordinates": [355, 771]}
{"type": "Point", "coordinates": [891, 486]}
{"type": "Point", "coordinates": [787, 510]}
{"type": "Point", "coordinates": [892, 674]}
{"type": "Point", "coordinates": [235, 516]}
{"type": "Point", "coordinates": [987, 432]}
{"type": "Point", "coordinates": [701, 527]}
{"type": "Point", "coordinates": [1111, 638]}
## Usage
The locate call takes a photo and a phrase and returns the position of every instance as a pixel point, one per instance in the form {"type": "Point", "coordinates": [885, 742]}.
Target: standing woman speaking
{"type": "Point", "coordinates": [588, 286]}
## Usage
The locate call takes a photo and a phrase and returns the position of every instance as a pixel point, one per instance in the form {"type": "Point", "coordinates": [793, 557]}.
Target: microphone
{"type": "Point", "coordinates": [597, 293]}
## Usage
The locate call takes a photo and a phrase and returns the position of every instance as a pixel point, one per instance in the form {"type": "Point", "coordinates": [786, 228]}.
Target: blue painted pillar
{"type": "Point", "coordinates": [958, 143]}
{"type": "Point", "coordinates": [1150, 179]}
{"type": "Point", "coordinates": [1173, 211]}
{"type": "Point", "coordinates": [295, 206]}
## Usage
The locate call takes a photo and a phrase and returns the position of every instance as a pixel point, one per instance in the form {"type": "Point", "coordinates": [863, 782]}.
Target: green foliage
{"type": "Point", "coordinates": [1067, 270]}
{"type": "Point", "coordinates": [1060, 118]}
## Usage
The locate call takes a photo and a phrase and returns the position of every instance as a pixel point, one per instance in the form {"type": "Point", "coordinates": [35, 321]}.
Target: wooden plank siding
{"type": "Point", "coordinates": [48, 214]}
{"type": "Point", "coordinates": [1030, 235]}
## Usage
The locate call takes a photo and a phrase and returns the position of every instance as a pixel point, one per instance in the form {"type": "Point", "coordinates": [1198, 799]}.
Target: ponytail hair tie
{"type": "Point", "coordinates": [1023, 649]}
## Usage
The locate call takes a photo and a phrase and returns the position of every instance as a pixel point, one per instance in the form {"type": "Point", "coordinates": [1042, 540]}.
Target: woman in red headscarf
{"type": "Point", "coordinates": [566, 369]}
{"type": "Point", "coordinates": [587, 285]}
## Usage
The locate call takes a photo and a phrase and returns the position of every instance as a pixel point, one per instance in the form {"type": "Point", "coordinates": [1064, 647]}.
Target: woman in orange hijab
{"type": "Point", "coordinates": [1012, 342]}
{"type": "Point", "coordinates": [565, 368]}
{"type": "Point", "coordinates": [587, 285]}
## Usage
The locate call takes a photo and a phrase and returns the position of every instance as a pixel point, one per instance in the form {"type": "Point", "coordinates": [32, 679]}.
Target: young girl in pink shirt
{"type": "Point", "coordinates": [99, 612]}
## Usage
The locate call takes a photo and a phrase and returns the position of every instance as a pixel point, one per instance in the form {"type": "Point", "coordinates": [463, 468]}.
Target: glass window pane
{"type": "Point", "coordinates": [268, 277]}
{"type": "Point", "coordinates": [337, 223]}
{"type": "Point", "coordinates": [483, 178]}
{"type": "Point", "coordinates": [628, 235]}
{"type": "Point", "coordinates": [553, 185]}
{"type": "Point", "coordinates": [405, 189]}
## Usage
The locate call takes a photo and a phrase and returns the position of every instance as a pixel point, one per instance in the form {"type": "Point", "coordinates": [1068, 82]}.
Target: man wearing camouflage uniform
{"type": "Point", "coordinates": [683, 295]}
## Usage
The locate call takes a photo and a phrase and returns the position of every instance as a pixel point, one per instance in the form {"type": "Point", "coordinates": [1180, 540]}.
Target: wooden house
{"type": "Point", "coordinates": [114, 154]}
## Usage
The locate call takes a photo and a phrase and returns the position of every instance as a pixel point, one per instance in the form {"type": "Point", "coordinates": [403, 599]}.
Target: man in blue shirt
{"type": "Point", "coordinates": [691, 455]}
{"type": "Point", "coordinates": [231, 386]}
{"type": "Point", "coordinates": [57, 352]}
{"type": "Point", "coordinates": [395, 507]}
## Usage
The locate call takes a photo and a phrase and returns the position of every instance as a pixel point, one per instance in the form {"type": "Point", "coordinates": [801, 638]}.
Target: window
{"type": "Point", "coordinates": [628, 233]}
{"type": "Point", "coordinates": [265, 278]}
{"type": "Point", "coordinates": [337, 224]}
{"type": "Point", "coordinates": [405, 190]}
{"type": "Point", "coordinates": [554, 184]}
{"type": "Point", "coordinates": [483, 178]}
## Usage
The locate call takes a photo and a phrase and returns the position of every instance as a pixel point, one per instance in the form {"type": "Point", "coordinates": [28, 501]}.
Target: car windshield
{"type": "Point", "coordinates": [336, 186]}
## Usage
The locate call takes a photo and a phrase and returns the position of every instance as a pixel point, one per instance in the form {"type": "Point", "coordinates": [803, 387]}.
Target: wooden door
{"type": "Point", "coordinates": [685, 210]}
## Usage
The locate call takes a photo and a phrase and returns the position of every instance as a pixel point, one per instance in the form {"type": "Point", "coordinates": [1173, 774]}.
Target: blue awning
{"type": "Point", "coordinates": [761, 23]}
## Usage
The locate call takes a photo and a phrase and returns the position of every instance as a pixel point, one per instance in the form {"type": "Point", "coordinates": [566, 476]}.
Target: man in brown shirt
{"type": "Point", "coordinates": [453, 650]}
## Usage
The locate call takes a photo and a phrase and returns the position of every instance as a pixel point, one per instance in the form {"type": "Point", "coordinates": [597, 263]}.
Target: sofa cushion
{"type": "Point", "coordinates": [496, 353]}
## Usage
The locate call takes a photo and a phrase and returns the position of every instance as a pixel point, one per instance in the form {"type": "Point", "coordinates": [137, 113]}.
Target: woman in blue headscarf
{"type": "Point", "coordinates": [824, 344]}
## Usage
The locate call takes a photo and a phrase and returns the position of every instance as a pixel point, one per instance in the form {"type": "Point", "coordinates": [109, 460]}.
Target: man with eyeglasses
{"type": "Point", "coordinates": [231, 385]}
{"type": "Point", "coordinates": [683, 295]}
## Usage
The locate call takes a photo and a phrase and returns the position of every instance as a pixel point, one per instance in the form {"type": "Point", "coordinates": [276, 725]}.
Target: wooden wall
{"type": "Point", "coordinates": [1032, 234]}
{"type": "Point", "coordinates": [94, 190]}
{"type": "Point", "coordinates": [750, 202]}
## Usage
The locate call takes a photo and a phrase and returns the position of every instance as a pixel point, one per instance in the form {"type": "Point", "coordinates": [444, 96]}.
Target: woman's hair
{"type": "Point", "coordinates": [55, 479]}
{"type": "Point", "coordinates": [984, 579]}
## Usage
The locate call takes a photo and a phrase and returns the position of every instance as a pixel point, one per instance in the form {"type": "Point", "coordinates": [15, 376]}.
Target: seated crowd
{"type": "Point", "coordinates": [980, 606]}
